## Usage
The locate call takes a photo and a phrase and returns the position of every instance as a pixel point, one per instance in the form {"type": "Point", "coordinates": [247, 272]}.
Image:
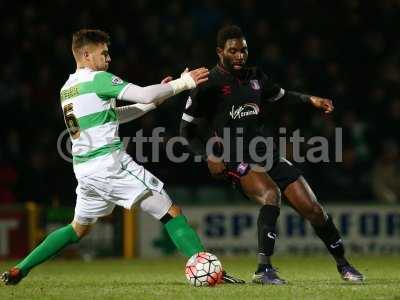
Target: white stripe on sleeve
{"type": "Point", "coordinates": [277, 96]}
{"type": "Point", "coordinates": [189, 118]}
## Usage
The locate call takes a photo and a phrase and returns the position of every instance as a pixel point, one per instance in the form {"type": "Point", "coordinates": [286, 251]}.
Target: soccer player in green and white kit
{"type": "Point", "coordinates": [106, 174]}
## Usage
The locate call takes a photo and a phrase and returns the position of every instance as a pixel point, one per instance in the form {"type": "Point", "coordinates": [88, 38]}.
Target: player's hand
{"type": "Point", "coordinates": [199, 75]}
{"type": "Point", "coordinates": [322, 103]}
{"type": "Point", "coordinates": [216, 167]}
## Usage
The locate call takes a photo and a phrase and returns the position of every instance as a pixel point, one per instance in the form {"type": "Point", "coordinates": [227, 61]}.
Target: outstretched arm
{"type": "Point", "coordinates": [129, 113]}
{"type": "Point", "coordinates": [273, 92]}
{"type": "Point", "coordinates": [321, 103]}
{"type": "Point", "coordinates": [147, 94]}
{"type": "Point", "coordinates": [160, 92]}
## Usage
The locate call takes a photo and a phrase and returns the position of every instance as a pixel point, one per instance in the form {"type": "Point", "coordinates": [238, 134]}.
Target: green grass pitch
{"type": "Point", "coordinates": [309, 278]}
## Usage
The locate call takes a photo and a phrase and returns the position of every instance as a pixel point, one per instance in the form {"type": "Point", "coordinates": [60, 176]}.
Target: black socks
{"type": "Point", "coordinates": [330, 235]}
{"type": "Point", "coordinates": [266, 225]}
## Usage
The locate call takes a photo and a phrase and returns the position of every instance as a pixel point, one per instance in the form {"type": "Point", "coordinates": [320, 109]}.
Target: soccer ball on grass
{"type": "Point", "coordinates": [203, 269]}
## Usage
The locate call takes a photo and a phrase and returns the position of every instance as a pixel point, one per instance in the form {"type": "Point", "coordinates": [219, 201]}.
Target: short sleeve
{"type": "Point", "coordinates": [107, 85]}
{"type": "Point", "coordinates": [270, 90]}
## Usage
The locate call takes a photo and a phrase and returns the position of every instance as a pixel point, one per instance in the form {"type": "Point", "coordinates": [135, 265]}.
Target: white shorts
{"type": "Point", "coordinates": [123, 185]}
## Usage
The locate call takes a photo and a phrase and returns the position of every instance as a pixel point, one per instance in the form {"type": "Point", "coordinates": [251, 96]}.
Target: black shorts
{"type": "Point", "coordinates": [282, 172]}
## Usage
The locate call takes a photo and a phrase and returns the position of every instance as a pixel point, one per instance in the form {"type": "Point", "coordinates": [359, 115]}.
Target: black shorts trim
{"type": "Point", "coordinates": [282, 172]}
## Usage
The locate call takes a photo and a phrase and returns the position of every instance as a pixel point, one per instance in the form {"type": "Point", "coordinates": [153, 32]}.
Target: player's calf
{"type": "Point", "coordinates": [330, 235]}
{"type": "Point", "coordinates": [260, 187]}
{"type": "Point", "coordinates": [267, 234]}
{"type": "Point", "coordinates": [181, 233]}
{"type": "Point", "coordinates": [159, 205]}
{"type": "Point", "coordinates": [53, 244]}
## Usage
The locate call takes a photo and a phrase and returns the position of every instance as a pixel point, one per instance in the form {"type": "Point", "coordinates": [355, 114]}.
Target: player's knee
{"type": "Point", "coordinates": [315, 214]}
{"type": "Point", "coordinates": [270, 196]}
{"type": "Point", "coordinates": [81, 230]}
{"type": "Point", "coordinates": [174, 211]}
{"type": "Point", "coordinates": [158, 205]}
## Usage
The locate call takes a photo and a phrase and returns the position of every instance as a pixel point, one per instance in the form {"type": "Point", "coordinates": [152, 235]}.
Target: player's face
{"type": "Point", "coordinates": [99, 57]}
{"type": "Point", "coordinates": [234, 55]}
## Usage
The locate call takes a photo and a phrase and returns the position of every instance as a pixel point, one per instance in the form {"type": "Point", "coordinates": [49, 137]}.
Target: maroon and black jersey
{"type": "Point", "coordinates": [232, 108]}
{"type": "Point", "coordinates": [229, 106]}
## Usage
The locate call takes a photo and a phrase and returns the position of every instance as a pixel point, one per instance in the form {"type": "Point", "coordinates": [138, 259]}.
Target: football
{"type": "Point", "coordinates": [203, 269]}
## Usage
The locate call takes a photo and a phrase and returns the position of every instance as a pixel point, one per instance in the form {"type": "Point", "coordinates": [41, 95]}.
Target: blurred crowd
{"type": "Point", "coordinates": [345, 50]}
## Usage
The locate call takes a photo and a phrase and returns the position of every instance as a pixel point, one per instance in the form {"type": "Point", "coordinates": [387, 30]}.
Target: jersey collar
{"type": "Point", "coordinates": [85, 69]}
{"type": "Point", "coordinates": [242, 76]}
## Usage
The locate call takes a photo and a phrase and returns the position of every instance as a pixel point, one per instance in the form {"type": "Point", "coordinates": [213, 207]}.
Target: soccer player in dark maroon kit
{"type": "Point", "coordinates": [231, 104]}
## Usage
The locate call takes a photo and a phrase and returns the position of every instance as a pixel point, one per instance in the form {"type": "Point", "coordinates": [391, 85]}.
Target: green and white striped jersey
{"type": "Point", "coordinates": [88, 103]}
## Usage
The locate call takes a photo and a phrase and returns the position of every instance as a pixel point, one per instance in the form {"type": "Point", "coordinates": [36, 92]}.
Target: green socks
{"type": "Point", "coordinates": [184, 237]}
{"type": "Point", "coordinates": [54, 243]}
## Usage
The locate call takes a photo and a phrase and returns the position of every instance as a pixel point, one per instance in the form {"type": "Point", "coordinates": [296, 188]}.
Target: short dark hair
{"type": "Point", "coordinates": [85, 37]}
{"type": "Point", "coordinates": [228, 32]}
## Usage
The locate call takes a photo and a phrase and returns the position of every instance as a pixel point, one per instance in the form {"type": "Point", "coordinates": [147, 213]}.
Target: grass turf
{"type": "Point", "coordinates": [309, 278]}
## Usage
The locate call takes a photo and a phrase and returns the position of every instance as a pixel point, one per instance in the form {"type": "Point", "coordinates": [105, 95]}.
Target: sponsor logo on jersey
{"type": "Point", "coordinates": [271, 235]}
{"type": "Point", "coordinates": [226, 90]}
{"type": "Point", "coordinates": [244, 110]}
{"type": "Point", "coordinates": [115, 80]}
{"type": "Point", "coordinates": [188, 103]}
{"type": "Point", "coordinates": [254, 84]}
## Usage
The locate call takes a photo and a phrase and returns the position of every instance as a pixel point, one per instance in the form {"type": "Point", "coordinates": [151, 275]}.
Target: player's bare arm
{"type": "Point", "coordinates": [324, 104]}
